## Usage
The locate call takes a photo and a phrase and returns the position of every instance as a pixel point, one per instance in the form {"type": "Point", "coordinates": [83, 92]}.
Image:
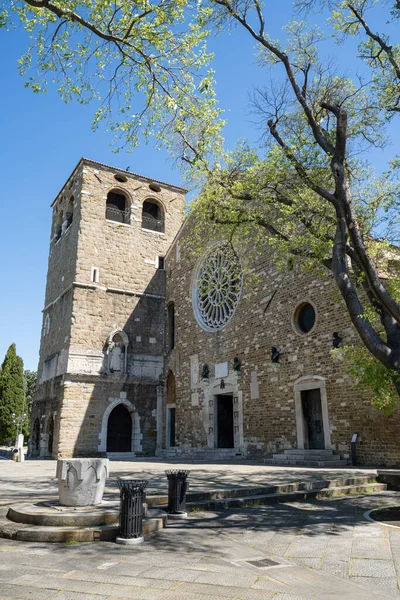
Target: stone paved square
{"type": "Point", "coordinates": [325, 549]}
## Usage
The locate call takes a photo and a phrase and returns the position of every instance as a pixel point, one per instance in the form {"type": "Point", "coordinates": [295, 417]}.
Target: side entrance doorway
{"type": "Point", "coordinates": [224, 421]}
{"type": "Point", "coordinates": [171, 441]}
{"type": "Point", "coordinates": [119, 430]}
{"type": "Point", "coordinates": [313, 422]}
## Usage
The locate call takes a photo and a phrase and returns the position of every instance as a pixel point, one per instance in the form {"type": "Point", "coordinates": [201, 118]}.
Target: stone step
{"type": "Point", "coordinates": [156, 520]}
{"type": "Point", "coordinates": [121, 455]}
{"type": "Point", "coordinates": [161, 500]}
{"type": "Point", "coordinates": [342, 463]}
{"type": "Point", "coordinates": [202, 453]}
{"type": "Point", "coordinates": [307, 452]}
{"type": "Point", "coordinates": [303, 457]}
{"type": "Point", "coordinates": [259, 499]}
{"type": "Point", "coordinates": [51, 514]}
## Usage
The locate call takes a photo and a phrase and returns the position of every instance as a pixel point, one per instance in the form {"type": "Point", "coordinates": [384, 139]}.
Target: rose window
{"type": "Point", "coordinates": [217, 288]}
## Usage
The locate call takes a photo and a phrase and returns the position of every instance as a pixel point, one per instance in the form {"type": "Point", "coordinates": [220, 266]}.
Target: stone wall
{"type": "Point", "coordinates": [55, 334]}
{"type": "Point", "coordinates": [63, 249]}
{"type": "Point", "coordinates": [264, 393]}
{"type": "Point", "coordinates": [47, 408]}
{"type": "Point", "coordinates": [83, 417]}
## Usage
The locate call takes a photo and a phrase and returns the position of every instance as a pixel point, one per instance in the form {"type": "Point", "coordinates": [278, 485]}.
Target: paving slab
{"type": "Point", "coordinates": [366, 567]}
{"type": "Point", "coordinates": [379, 583]}
{"type": "Point", "coordinates": [78, 596]}
{"type": "Point", "coordinates": [126, 591]}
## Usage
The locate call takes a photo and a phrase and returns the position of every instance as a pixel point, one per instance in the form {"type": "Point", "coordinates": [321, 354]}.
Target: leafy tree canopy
{"type": "Point", "coordinates": [309, 189]}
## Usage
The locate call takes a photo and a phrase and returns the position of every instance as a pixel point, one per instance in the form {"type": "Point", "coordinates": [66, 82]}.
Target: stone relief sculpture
{"type": "Point", "coordinates": [117, 351]}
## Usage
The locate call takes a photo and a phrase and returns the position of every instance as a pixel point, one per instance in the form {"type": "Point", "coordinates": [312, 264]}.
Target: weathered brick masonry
{"type": "Point", "coordinates": [264, 398]}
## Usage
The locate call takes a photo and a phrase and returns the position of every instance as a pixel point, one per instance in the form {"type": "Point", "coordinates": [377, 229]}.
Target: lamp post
{"type": "Point", "coordinates": [18, 422]}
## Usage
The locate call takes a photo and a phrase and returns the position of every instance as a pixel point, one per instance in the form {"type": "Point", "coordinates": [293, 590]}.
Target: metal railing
{"type": "Point", "coordinates": [118, 215]}
{"type": "Point", "coordinates": [153, 224]}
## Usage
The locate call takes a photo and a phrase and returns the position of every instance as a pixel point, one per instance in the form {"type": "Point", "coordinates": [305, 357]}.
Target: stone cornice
{"type": "Point", "coordinates": [95, 163]}
{"type": "Point", "coordinates": [94, 287]}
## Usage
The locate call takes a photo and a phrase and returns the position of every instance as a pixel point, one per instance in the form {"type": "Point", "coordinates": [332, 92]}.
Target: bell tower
{"type": "Point", "coordinates": [102, 344]}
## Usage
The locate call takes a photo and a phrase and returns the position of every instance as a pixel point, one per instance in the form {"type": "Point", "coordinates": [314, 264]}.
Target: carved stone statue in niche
{"type": "Point", "coordinates": [117, 346]}
{"type": "Point", "coordinates": [114, 356]}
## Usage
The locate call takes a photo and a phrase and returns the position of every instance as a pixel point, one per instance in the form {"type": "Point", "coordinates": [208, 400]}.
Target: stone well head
{"type": "Point", "coordinates": [81, 481]}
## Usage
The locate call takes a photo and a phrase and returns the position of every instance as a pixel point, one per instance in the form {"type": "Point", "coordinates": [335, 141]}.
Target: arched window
{"type": "Point", "coordinates": [59, 224]}
{"type": "Point", "coordinates": [171, 326]}
{"type": "Point", "coordinates": [152, 216]}
{"type": "Point", "coordinates": [117, 207]}
{"type": "Point", "coordinates": [46, 325]}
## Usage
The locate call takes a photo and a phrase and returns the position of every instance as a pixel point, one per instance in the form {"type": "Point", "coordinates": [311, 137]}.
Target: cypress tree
{"type": "Point", "coordinates": [12, 394]}
{"type": "Point", "coordinates": [30, 378]}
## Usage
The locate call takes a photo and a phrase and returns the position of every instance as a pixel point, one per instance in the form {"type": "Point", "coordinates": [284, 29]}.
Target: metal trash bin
{"type": "Point", "coordinates": [177, 488]}
{"type": "Point", "coordinates": [131, 515]}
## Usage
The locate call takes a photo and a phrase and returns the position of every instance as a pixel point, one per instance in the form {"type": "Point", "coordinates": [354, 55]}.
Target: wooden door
{"type": "Point", "coordinates": [119, 430]}
{"type": "Point", "coordinates": [225, 437]}
{"type": "Point", "coordinates": [312, 412]}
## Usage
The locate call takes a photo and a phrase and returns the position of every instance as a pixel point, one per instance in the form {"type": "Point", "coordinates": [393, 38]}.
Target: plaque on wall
{"type": "Point", "coordinates": [221, 369]}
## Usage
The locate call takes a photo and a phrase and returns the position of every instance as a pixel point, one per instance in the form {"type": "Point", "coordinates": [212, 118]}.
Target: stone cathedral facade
{"type": "Point", "coordinates": [150, 350]}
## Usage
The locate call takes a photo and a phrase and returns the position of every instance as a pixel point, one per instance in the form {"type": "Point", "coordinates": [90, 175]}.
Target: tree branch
{"type": "Point", "coordinates": [378, 39]}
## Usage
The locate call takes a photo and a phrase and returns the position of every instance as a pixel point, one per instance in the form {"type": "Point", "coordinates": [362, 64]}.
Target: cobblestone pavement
{"type": "Point", "coordinates": [324, 550]}
{"type": "Point", "coordinates": [36, 478]}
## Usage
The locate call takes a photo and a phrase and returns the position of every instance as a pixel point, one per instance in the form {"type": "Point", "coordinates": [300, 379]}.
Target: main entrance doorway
{"type": "Point", "coordinates": [224, 421]}
{"type": "Point", "coordinates": [313, 423]}
{"type": "Point", "coordinates": [119, 430]}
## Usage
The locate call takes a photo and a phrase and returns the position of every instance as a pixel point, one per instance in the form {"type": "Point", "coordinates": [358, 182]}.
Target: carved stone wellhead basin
{"type": "Point", "coordinates": [81, 481]}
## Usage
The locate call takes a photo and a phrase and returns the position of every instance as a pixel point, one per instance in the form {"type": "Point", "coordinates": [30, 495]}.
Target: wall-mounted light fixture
{"type": "Point", "coordinates": [336, 339]}
{"type": "Point", "coordinates": [275, 355]}
{"type": "Point", "coordinates": [222, 384]}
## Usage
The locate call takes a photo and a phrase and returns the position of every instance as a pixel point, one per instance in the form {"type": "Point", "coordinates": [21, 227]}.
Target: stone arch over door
{"type": "Point", "coordinates": [136, 439]}
{"type": "Point", "coordinates": [303, 384]}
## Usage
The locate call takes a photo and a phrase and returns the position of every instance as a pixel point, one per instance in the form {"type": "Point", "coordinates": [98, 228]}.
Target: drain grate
{"type": "Point", "coordinates": [263, 563]}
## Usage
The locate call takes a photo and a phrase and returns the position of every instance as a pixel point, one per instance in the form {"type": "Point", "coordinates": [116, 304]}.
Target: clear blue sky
{"type": "Point", "coordinates": [43, 139]}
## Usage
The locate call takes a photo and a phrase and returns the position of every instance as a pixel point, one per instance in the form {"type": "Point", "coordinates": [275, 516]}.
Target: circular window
{"type": "Point", "coordinates": [217, 288]}
{"type": "Point", "coordinates": [304, 317]}
{"type": "Point", "coordinates": [155, 187]}
{"type": "Point", "coordinates": [121, 178]}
